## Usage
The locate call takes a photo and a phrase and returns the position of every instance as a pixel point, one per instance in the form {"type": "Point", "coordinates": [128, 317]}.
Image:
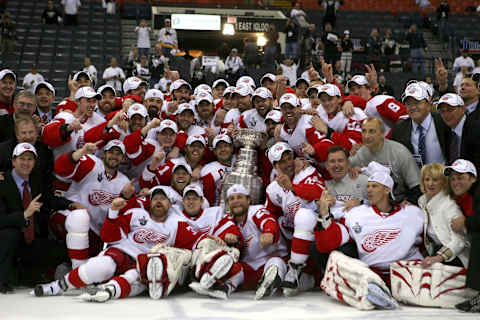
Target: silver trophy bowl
{"type": "Point", "coordinates": [249, 138]}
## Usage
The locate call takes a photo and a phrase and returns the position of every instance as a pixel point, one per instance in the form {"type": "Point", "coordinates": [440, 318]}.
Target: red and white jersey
{"type": "Point", "coordinates": [55, 132]}
{"type": "Point", "coordinates": [90, 185]}
{"type": "Point", "coordinates": [348, 131]}
{"type": "Point", "coordinates": [308, 185]}
{"type": "Point", "coordinates": [212, 221]}
{"type": "Point", "coordinates": [305, 133]}
{"type": "Point", "coordinates": [381, 238]}
{"type": "Point", "coordinates": [386, 108]}
{"type": "Point", "coordinates": [135, 232]}
{"type": "Point", "coordinates": [160, 176]}
{"type": "Point", "coordinates": [66, 104]}
{"type": "Point", "coordinates": [259, 220]}
{"type": "Point", "coordinates": [212, 175]}
{"type": "Point", "coordinates": [232, 117]}
{"type": "Point", "coordinates": [139, 151]}
{"type": "Point", "coordinates": [251, 119]}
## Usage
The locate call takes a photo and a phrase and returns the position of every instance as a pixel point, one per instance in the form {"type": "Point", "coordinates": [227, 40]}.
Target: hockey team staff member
{"type": "Point", "coordinates": [384, 232]}
{"type": "Point", "coordinates": [262, 263]}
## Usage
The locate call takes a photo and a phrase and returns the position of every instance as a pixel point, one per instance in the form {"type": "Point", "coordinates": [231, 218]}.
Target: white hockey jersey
{"type": "Point", "coordinates": [253, 120]}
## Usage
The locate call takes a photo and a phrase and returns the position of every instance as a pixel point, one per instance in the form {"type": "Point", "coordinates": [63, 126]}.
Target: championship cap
{"type": "Point", "coordinates": [330, 89]}
{"type": "Point", "coordinates": [221, 137]}
{"type": "Point", "coordinates": [246, 80]}
{"type": "Point", "coordinates": [22, 148]}
{"type": "Point", "coordinates": [451, 99]}
{"type": "Point", "coordinates": [269, 76]}
{"type": "Point", "coordinates": [154, 93]}
{"type": "Point", "coordinates": [202, 87]}
{"type": "Point", "coordinates": [137, 108]}
{"type": "Point", "coordinates": [461, 166]}
{"type": "Point", "coordinates": [383, 178]}
{"type": "Point", "coordinates": [159, 189]}
{"type": "Point", "coordinates": [424, 85]}
{"type": "Point", "coordinates": [182, 164]}
{"type": "Point", "coordinates": [274, 115]}
{"type": "Point", "coordinates": [243, 90]}
{"type": "Point", "coordinates": [220, 81]}
{"type": "Point", "coordinates": [203, 96]}
{"type": "Point", "coordinates": [115, 143]}
{"type": "Point", "coordinates": [228, 90]}
{"type": "Point", "coordinates": [105, 87]}
{"type": "Point", "coordinates": [167, 124]}
{"type": "Point", "coordinates": [5, 72]}
{"type": "Point", "coordinates": [262, 92]}
{"type": "Point", "coordinates": [289, 98]}
{"type": "Point", "coordinates": [193, 188]}
{"type": "Point", "coordinates": [315, 87]}
{"type": "Point", "coordinates": [87, 92]}
{"type": "Point", "coordinates": [359, 79]}
{"type": "Point", "coordinates": [183, 107]}
{"type": "Point", "coordinates": [276, 151]}
{"type": "Point", "coordinates": [416, 91]}
{"type": "Point", "coordinates": [132, 83]}
{"type": "Point", "coordinates": [373, 167]}
{"type": "Point", "coordinates": [44, 84]}
{"type": "Point", "coordinates": [237, 188]}
{"type": "Point", "coordinates": [177, 84]}
{"type": "Point", "coordinates": [80, 73]}
{"type": "Point", "coordinates": [192, 139]}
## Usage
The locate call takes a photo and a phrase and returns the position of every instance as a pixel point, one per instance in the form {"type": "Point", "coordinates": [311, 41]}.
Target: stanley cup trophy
{"type": "Point", "coordinates": [245, 168]}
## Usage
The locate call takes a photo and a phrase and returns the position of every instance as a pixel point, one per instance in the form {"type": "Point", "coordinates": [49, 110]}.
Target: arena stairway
{"type": "Point", "coordinates": [58, 50]}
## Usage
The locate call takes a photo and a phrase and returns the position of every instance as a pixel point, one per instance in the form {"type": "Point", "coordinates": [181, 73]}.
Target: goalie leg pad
{"type": "Point", "coordinates": [437, 286]}
{"type": "Point", "coordinates": [346, 279]}
{"type": "Point", "coordinates": [77, 225]}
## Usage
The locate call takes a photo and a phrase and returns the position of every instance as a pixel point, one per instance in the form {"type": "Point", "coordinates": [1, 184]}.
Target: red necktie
{"type": "Point", "coordinates": [28, 232]}
{"type": "Point", "coordinates": [44, 118]}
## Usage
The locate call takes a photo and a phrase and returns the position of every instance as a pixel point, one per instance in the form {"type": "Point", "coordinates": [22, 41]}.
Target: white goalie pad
{"type": "Point", "coordinates": [437, 286]}
{"type": "Point", "coordinates": [208, 250]}
{"type": "Point", "coordinates": [178, 263]}
{"type": "Point", "coordinates": [346, 279]}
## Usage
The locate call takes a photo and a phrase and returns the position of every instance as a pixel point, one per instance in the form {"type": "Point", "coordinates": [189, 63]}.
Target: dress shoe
{"type": "Point", "coordinates": [5, 288]}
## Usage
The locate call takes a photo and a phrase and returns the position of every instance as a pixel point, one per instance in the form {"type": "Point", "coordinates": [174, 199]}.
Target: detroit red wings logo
{"type": "Point", "coordinates": [100, 197]}
{"type": "Point", "coordinates": [379, 238]}
{"type": "Point", "coordinates": [149, 235]}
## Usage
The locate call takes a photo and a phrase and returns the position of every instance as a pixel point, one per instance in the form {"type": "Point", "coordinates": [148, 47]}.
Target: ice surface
{"type": "Point", "coordinates": [180, 306]}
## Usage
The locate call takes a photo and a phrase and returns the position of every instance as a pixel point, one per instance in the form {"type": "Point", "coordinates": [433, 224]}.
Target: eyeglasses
{"type": "Point", "coordinates": [25, 104]}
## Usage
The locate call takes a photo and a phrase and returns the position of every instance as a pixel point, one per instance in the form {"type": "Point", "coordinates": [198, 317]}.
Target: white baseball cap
{"type": "Point", "coordinates": [276, 151]}
{"type": "Point", "coordinates": [423, 84]}
{"type": "Point", "coordinates": [115, 143]}
{"type": "Point", "coordinates": [105, 87]}
{"type": "Point", "coordinates": [315, 87]}
{"type": "Point", "coordinates": [163, 189]}
{"type": "Point", "coordinates": [246, 80]}
{"type": "Point", "coordinates": [79, 73]}
{"type": "Point", "coordinates": [203, 96]}
{"type": "Point", "coordinates": [302, 79]}
{"type": "Point", "coordinates": [154, 93]}
{"type": "Point", "coordinates": [346, 32]}
{"type": "Point", "coordinates": [167, 124]}
{"type": "Point", "coordinates": [221, 137]}
{"type": "Point", "coordinates": [137, 108]}
{"type": "Point", "coordinates": [243, 90]}
{"type": "Point", "coordinates": [359, 79]}
{"type": "Point", "coordinates": [192, 139]}
{"type": "Point", "coordinates": [383, 178]}
{"type": "Point", "coordinates": [373, 167]}
{"type": "Point", "coordinates": [228, 90]}
{"type": "Point", "coordinates": [202, 87]}
{"type": "Point", "coordinates": [237, 188]}
{"type": "Point", "coordinates": [263, 93]}
{"type": "Point", "coordinates": [184, 165]}
{"type": "Point", "coordinates": [44, 84]}
{"type": "Point", "coordinates": [461, 166]}
{"type": "Point", "coordinates": [289, 98]}
{"type": "Point", "coordinates": [193, 188]}
{"type": "Point", "coordinates": [274, 115]}
{"type": "Point", "coordinates": [87, 92]}
{"type": "Point", "coordinates": [177, 84]}
{"type": "Point", "coordinates": [23, 147]}
{"type": "Point", "coordinates": [220, 81]}
{"type": "Point", "coordinates": [415, 91]}
{"type": "Point", "coordinates": [132, 83]}
{"type": "Point", "coordinates": [451, 99]}
{"type": "Point", "coordinates": [5, 72]}
{"type": "Point", "coordinates": [269, 76]}
{"type": "Point", "coordinates": [330, 89]}
{"type": "Point", "coordinates": [185, 106]}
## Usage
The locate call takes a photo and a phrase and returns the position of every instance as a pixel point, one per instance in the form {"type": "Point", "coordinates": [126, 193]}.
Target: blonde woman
{"type": "Point", "coordinates": [442, 243]}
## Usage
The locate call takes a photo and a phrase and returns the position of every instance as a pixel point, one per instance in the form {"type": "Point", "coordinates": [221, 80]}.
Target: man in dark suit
{"type": "Point", "coordinates": [25, 205]}
{"type": "Point", "coordinates": [463, 136]}
{"type": "Point", "coordinates": [24, 103]}
{"type": "Point", "coordinates": [424, 133]}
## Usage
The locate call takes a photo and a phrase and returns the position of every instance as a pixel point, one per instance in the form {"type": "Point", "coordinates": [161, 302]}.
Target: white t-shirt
{"type": "Point", "coordinates": [114, 72]}
{"type": "Point", "coordinates": [143, 37]}
{"type": "Point", "coordinates": [290, 72]}
{"type": "Point", "coordinates": [71, 6]}
{"type": "Point", "coordinates": [31, 80]}
{"type": "Point", "coordinates": [92, 71]}
{"type": "Point", "coordinates": [463, 62]}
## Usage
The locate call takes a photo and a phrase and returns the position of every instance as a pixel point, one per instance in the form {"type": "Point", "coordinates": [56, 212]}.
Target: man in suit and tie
{"type": "Point", "coordinates": [463, 136]}
{"type": "Point", "coordinates": [24, 103]}
{"type": "Point", "coordinates": [45, 94]}
{"type": "Point", "coordinates": [424, 133]}
{"type": "Point", "coordinates": [24, 212]}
